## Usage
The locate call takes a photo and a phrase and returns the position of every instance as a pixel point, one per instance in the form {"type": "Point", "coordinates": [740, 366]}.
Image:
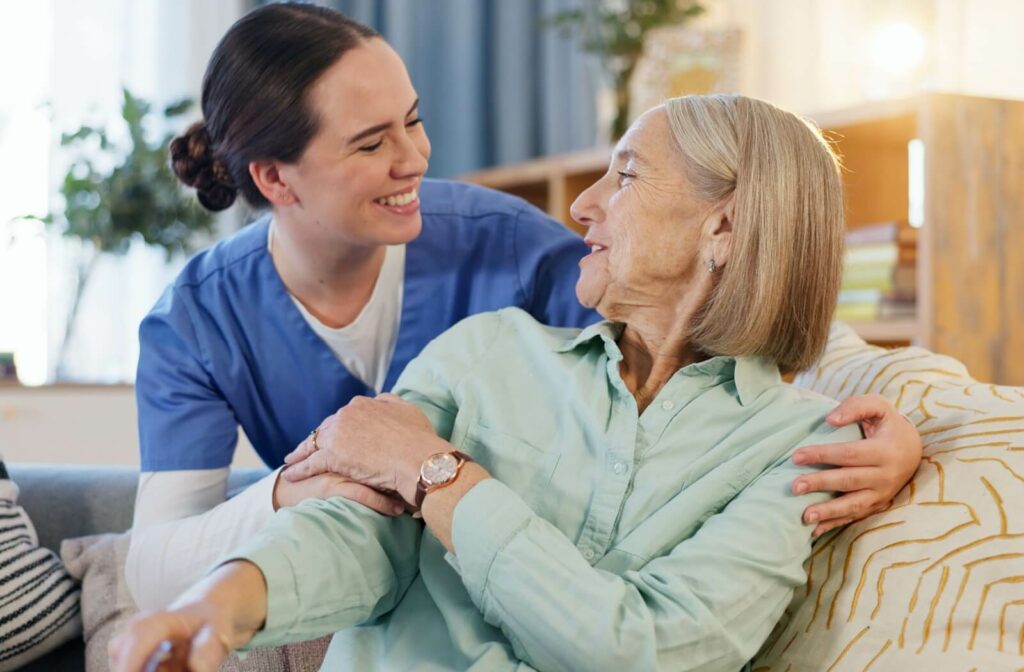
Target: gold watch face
{"type": "Point", "coordinates": [439, 469]}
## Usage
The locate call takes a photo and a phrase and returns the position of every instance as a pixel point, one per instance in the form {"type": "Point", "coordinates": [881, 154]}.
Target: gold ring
{"type": "Point", "coordinates": [312, 435]}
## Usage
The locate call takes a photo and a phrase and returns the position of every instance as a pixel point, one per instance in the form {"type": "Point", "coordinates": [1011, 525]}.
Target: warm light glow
{"type": "Point", "coordinates": [896, 49]}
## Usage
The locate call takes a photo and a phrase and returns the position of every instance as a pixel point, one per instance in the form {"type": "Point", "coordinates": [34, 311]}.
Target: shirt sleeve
{"type": "Point", "coordinates": [183, 525]}
{"type": "Point", "coordinates": [184, 420]}
{"type": "Point", "coordinates": [547, 256]}
{"type": "Point", "coordinates": [330, 564]}
{"type": "Point", "coordinates": [707, 605]}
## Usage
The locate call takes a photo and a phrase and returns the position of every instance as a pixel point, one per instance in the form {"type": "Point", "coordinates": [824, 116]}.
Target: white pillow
{"type": "Point", "coordinates": [936, 582]}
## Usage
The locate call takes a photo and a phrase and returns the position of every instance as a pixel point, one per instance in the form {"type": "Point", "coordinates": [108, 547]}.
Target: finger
{"type": "Point", "coordinates": [863, 453]}
{"type": "Point", "coordinates": [855, 505]}
{"type": "Point", "coordinates": [845, 479]}
{"type": "Point", "coordinates": [830, 525]}
{"type": "Point", "coordinates": [133, 646]}
{"type": "Point", "coordinates": [311, 466]}
{"type": "Point", "coordinates": [387, 396]}
{"type": "Point", "coordinates": [370, 498]}
{"type": "Point", "coordinates": [860, 408]}
{"type": "Point", "coordinates": [208, 651]}
{"type": "Point", "coordinates": [302, 451]}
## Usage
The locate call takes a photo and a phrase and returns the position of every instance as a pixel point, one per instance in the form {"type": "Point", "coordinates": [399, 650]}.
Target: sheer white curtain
{"type": "Point", "coordinates": [73, 57]}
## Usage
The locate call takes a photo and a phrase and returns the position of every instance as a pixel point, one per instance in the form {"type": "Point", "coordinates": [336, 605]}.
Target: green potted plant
{"type": "Point", "coordinates": [615, 31]}
{"type": "Point", "coordinates": [139, 198]}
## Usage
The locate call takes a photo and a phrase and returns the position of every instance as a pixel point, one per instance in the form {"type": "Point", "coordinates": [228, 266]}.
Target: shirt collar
{"type": "Point", "coordinates": [751, 375]}
{"type": "Point", "coordinates": [608, 332]}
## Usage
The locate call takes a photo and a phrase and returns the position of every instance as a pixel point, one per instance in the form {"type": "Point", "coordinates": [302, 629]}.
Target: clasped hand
{"type": "Point", "coordinates": [379, 443]}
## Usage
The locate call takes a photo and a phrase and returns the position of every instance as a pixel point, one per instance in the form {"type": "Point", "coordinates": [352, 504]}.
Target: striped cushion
{"type": "Point", "coordinates": [38, 600]}
{"type": "Point", "coordinates": [937, 581]}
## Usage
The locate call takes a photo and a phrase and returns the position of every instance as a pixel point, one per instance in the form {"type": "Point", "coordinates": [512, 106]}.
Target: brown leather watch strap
{"type": "Point", "coordinates": [421, 487]}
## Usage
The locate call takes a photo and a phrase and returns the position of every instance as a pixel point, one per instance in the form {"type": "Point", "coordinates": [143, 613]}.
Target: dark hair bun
{"type": "Point", "coordinates": [193, 161]}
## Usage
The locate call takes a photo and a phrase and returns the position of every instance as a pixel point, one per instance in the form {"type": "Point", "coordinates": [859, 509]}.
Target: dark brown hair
{"type": "Point", "coordinates": [255, 103]}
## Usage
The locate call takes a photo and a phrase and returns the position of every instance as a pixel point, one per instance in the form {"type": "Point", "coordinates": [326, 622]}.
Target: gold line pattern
{"type": "Point", "coordinates": [821, 588]}
{"type": "Point", "coordinates": [879, 586]}
{"type": "Point", "coordinates": [885, 647]}
{"type": "Point", "coordinates": [940, 372]}
{"type": "Point", "coordinates": [897, 544]}
{"type": "Point", "coordinates": [1002, 620]}
{"type": "Point", "coordinates": [972, 423]}
{"type": "Point", "coordinates": [846, 565]}
{"type": "Point", "coordinates": [999, 503]}
{"type": "Point", "coordinates": [957, 407]}
{"type": "Point", "coordinates": [921, 407]}
{"type": "Point", "coordinates": [846, 649]}
{"type": "Point", "coordinates": [992, 459]}
{"type": "Point", "coordinates": [942, 476]}
{"type": "Point", "coordinates": [981, 604]}
{"type": "Point", "coordinates": [931, 609]}
{"type": "Point", "coordinates": [995, 393]}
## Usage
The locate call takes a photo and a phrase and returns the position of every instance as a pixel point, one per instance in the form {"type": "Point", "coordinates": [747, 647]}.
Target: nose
{"type": "Point", "coordinates": [586, 210]}
{"type": "Point", "coordinates": [410, 158]}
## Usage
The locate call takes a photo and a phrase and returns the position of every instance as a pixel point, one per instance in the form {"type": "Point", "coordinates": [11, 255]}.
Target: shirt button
{"type": "Point", "coordinates": [588, 553]}
{"type": "Point", "coordinates": [668, 405]}
{"type": "Point", "coordinates": [620, 468]}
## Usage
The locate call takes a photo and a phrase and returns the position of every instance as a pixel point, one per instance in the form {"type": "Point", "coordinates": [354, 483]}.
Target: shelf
{"type": "Point", "coordinates": [887, 331]}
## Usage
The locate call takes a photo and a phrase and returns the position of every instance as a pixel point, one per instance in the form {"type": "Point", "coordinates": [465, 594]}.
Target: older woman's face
{"type": "Point", "coordinates": [644, 225]}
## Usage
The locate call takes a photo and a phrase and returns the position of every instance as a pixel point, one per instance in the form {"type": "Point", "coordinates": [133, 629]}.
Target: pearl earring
{"type": "Point", "coordinates": [712, 266]}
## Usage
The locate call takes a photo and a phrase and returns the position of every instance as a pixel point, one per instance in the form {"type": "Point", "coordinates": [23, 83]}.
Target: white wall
{"type": "Point", "coordinates": [78, 425]}
{"type": "Point", "coordinates": [809, 55]}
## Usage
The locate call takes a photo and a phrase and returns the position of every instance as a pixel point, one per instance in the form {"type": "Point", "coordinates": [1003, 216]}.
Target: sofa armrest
{"type": "Point", "coordinates": [65, 501]}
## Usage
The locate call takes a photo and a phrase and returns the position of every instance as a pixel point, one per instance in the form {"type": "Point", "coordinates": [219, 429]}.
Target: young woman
{"type": "Point", "coordinates": [360, 263]}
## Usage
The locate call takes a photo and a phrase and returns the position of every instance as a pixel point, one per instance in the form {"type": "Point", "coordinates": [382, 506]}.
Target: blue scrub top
{"type": "Point", "coordinates": [225, 346]}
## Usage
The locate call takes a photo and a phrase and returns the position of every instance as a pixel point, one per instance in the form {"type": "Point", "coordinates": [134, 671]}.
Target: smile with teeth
{"type": "Point", "coordinates": [399, 200]}
{"type": "Point", "coordinates": [595, 248]}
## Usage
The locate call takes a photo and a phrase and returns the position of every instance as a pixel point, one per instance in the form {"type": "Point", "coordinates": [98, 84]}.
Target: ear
{"type": "Point", "coordinates": [268, 179]}
{"type": "Point", "coordinates": [719, 232]}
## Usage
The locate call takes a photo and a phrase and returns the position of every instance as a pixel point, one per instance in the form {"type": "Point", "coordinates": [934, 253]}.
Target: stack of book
{"type": "Point", "coordinates": [880, 275]}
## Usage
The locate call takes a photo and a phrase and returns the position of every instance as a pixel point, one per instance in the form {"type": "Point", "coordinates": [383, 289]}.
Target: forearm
{"type": "Point", "coordinates": [165, 558]}
{"type": "Point", "coordinates": [237, 593]}
{"type": "Point", "coordinates": [328, 565]}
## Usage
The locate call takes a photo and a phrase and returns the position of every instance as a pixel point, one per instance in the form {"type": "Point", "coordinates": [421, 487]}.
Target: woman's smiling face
{"type": "Point", "coordinates": [644, 224]}
{"type": "Point", "coordinates": [359, 178]}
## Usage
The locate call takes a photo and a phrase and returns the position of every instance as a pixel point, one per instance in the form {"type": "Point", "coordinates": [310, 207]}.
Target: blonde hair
{"type": "Point", "coordinates": [775, 296]}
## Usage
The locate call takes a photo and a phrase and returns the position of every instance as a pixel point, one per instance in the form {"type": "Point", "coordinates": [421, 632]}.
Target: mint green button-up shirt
{"type": "Point", "coordinates": [606, 539]}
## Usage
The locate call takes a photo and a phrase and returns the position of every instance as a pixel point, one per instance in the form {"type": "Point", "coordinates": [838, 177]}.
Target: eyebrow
{"type": "Point", "coordinates": [374, 130]}
{"type": "Point", "coordinates": [627, 154]}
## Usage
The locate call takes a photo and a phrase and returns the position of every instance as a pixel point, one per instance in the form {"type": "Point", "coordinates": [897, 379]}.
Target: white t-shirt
{"type": "Point", "coordinates": [366, 345]}
{"type": "Point", "coordinates": [183, 523]}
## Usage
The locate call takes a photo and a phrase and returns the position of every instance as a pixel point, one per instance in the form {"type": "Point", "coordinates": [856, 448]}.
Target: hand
{"type": "Point", "coordinates": [217, 615]}
{"type": "Point", "coordinates": [325, 486]}
{"type": "Point", "coordinates": [871, 471]}
{"type": "Point", "coordinates": [379, 443]}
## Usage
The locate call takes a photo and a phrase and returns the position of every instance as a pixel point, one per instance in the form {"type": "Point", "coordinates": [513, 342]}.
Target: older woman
{"type": "Point", "coordinates": [612, 498]}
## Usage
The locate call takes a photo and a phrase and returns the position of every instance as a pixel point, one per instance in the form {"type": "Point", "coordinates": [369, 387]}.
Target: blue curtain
{"type": "Point", "coordinates": [495, 87]}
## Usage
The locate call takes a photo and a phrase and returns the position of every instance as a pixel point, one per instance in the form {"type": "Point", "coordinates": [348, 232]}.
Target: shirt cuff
{"type": "Point", "coordinates": [486, 519]}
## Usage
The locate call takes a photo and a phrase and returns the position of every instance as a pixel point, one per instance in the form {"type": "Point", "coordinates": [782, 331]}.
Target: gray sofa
{"type": "Point", "coordinates": [65, 501]}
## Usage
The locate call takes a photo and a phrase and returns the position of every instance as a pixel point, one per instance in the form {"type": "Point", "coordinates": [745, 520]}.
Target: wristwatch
{"type": "Point", "coordinates": [437, 471]}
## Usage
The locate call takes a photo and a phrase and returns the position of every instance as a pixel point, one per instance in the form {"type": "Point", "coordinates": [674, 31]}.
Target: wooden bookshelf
{"type": "Point", "coordinates": [971, 249]}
